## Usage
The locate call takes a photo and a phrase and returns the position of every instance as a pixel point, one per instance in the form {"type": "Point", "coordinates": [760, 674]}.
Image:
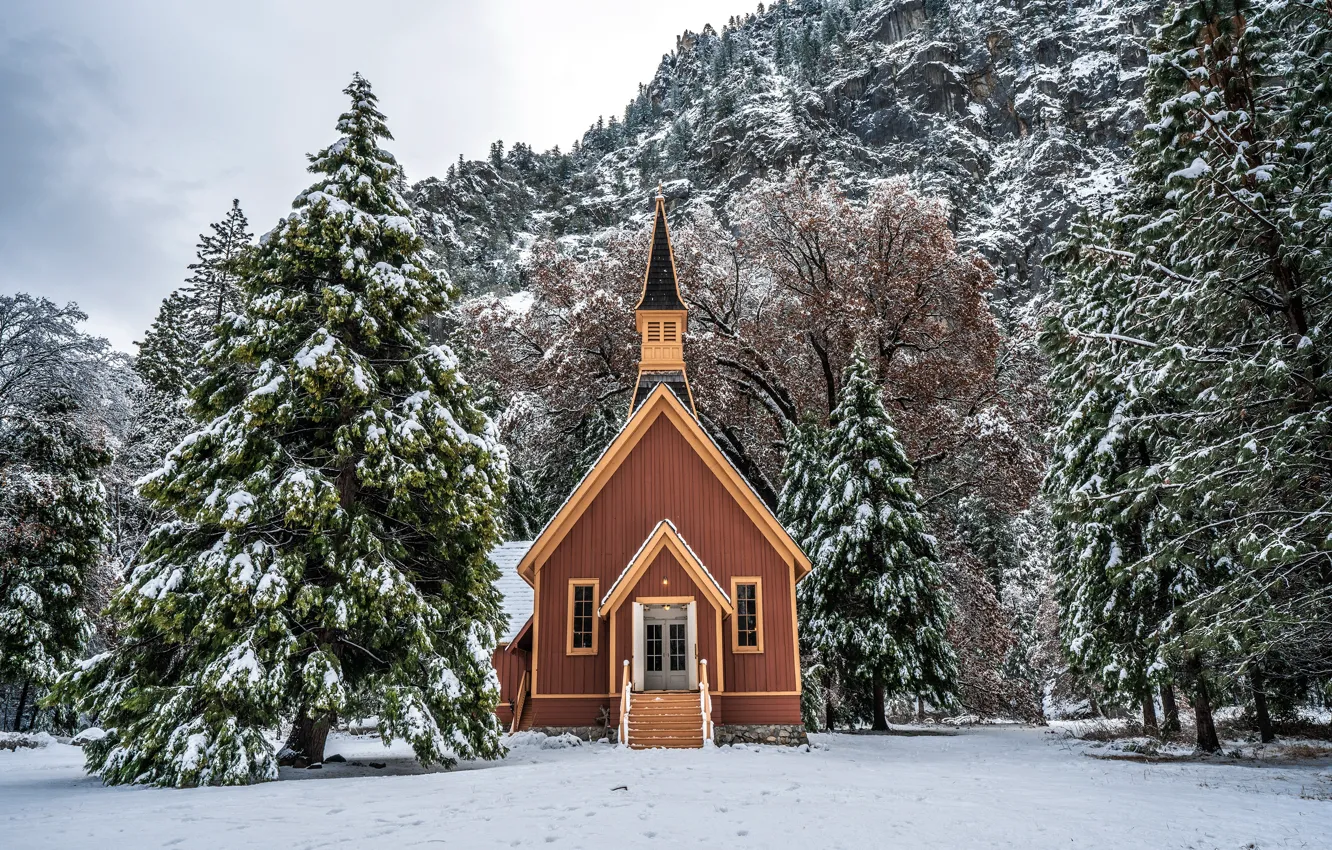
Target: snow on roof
{"type": "Point", "coordinates": [517, 593]}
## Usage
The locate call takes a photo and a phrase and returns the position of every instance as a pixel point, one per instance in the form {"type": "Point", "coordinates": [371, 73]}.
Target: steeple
{"type": "Point", "coordinates": [662, 319]}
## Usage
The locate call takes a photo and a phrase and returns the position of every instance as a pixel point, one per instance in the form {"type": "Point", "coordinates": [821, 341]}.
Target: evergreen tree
{"type": "Point", "coordinates": [802, 488]}
{"type": "Point", "coordinates": [1217, 344]}
{"type": "Point", "coordinates": [875, 606]}
{"type": "Point", "coordinates": [803, 475]}
{"type": "Point", "coordinates": [52, 530]}
{"type": "Point", "coordinates": [327, 554]}
{"type": "Point", "coordinates": [1113, 598]}
{"type": "Point", "coordinates": [186, 322]}
{"type": "Point", "coordinates": [215, 275]}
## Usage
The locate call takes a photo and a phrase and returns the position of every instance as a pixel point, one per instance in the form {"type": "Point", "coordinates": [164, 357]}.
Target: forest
{"type": "Point", "coordinates": [1053, 453]}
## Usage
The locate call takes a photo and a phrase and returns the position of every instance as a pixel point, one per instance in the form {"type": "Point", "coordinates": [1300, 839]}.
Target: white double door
{"type": "Point", "coordinates": [665, 647]}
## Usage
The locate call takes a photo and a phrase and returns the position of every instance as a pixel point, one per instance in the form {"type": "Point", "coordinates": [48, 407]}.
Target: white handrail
{"type": "Point", "coordinates": [624, 705]}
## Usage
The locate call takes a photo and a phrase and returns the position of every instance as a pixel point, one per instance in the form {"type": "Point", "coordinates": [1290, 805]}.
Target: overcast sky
{"type": "Point", "coordinates": [126, 126]}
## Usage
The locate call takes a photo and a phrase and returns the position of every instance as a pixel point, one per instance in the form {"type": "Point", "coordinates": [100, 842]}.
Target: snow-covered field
{"type": "Point", "coordinates": [994, 787]}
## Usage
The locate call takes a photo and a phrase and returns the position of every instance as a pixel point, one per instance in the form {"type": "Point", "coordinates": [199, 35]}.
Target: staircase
{"type": "Point", "coordinates": [670, 719]}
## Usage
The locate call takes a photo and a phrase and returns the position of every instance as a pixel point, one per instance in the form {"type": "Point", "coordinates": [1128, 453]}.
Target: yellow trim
{"type": "Point", "coordinates": [665, 537]}
{"type": "Point", "coordinates": [664, 600]}
{"type": "Point", "coordinates": [795, 630]}
{"type": "Point", "coordinates": [721, 653]}
{"type": "Point", "coordinates": [569, 648]}
{"type": "Point", "coordinates": [736, 581]}
{"type": "Point", "coordinates": [612, 659]}
{"type": "Point", "coordinates": [536, 630]}
{"type": "Point", "coordinates": [593, 695]}
{"type": "Point", "coordinates": [661, 402]}
{"type": "Point", "coordinates": [764, 694]}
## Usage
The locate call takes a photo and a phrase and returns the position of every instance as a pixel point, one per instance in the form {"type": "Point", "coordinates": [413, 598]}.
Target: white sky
{"type": "Point", "coordinates": [127, 126]}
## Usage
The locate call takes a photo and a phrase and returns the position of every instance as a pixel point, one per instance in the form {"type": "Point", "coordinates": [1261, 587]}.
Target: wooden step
{"type": "Point", "coordinates": [670, 731]}
{"type": "Point", "coordinates": [666, 744]}
{"type": "Point", "coordinates": [646, 734]}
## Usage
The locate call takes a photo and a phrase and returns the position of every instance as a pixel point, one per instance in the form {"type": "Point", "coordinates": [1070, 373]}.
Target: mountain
{"type": "Point", "coordinates": [1019, 113]}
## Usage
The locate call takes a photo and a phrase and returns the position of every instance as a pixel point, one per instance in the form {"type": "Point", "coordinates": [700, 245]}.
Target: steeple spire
{"type": "Point", "coordinates": [662, 318]}
{"type": "Point", "coordinates": [661, 291]}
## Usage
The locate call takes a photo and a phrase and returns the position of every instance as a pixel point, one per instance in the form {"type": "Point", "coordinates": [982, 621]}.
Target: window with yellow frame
{"type": "Point", "coordinates": [582, 637]}
{"type": "Point", "coordinates": [747, 622]}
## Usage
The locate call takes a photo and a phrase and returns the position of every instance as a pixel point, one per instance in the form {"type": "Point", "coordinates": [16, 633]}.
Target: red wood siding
{"type": "Point", "coordinates": [571, 712]}
{"type": "Point", "coordinates": [663, 478]}
{"type": "Point", "coordinates": [764, 709]}
{"type": "Point", "coordinates": [510, 667]}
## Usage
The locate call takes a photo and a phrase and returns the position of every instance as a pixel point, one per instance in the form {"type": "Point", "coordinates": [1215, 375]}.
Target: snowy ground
{"type": "Point", "coordinates": [996, 787]}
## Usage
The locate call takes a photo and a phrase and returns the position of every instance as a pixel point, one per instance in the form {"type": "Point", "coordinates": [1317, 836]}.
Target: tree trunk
{"type": "Point", "coordinates": [1265, 731]}
{"type": "Point", "coordinates": [1171, 710]}
{"type": "Point", "coordinates": [305, 744]}
{"type": "Point", "coordinates": [880, 712]}
{"type": "Point", "coordinates": [22, 704]}
{"type": "Point", "coordinates": [920, 708]}
{"type": "Point", "coordinates": [827, 702]}
{"type": "Point", "coordinates": [1149, 714]}
{"type": "Point", "coordinates": [1202, 714]}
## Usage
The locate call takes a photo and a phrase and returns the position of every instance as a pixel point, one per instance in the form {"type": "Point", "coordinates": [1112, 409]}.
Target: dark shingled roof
{"type": "Point", "coordinates": [661, 292]}
{"type": "Point", "coordinates": [647, 382]}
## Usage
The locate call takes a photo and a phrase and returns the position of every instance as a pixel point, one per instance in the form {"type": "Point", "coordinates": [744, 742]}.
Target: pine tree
{"type": "Point", "coordinates": [1221, 239]}
{"type": "Point", "coordinates": [1114, 599]}
{"type": "Point", "coordinates": [186, 322]}
{"type": "Point", "coordinates": [875, 606]}
{"type": "Point", "coordinates": [216, 273]}
{"type": "Point", "coordinates": [52, 530]}
{"type": "Point", "coordinates": [802, 488]}
{"type": "Point", "coordinates": [803, 475]}
{"type": "Point", "coordinates": [327, 554]}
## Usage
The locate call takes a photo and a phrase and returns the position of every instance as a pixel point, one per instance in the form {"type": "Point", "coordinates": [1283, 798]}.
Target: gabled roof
{"type": "Point", "coordinates": [660, 289]}
{"type": "Point", "coordinates": [516, 592]}
{"type": "Point", "coordinates": [665, 536]}
{"type": "Point", "coordinates": [662, 402]}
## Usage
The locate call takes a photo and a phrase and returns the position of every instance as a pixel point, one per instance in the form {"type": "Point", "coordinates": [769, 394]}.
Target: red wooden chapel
{"type": "Point", "coordinates": [658, 604]}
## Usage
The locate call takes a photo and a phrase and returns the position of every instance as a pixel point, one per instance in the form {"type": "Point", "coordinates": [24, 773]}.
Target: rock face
{"type": "Point", "coordinates": [1018, 113]}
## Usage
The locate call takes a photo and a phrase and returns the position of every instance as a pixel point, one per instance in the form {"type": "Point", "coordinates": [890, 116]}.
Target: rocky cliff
{"type": "Point", "coordinates": [1018, 113]}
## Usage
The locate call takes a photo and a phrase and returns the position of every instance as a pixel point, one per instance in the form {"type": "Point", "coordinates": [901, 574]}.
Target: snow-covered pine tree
{"type": "Point", "coordinates": [803, 474]}
{"type": "Point", "coordinates": [52, 531]}
{"type": "Point", "coordinates": [1112, 599]}
{"type": "Point", "coordinates": [1241, 105]}
{"type": "Point", "coordinates": [217, 270]}
{"type": "Point", "coordinates": [188, 317]}
{"type": "Point", "coordinates": [875, 605]}
{"type": "Point", "coordinates": [327, 556]}
{"type": "Point", "coordinates": [1224, 235]}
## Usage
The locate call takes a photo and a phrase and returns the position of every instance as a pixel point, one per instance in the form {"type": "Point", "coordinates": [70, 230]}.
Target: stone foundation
{"type": "Point", "coordinates": [784, 734]}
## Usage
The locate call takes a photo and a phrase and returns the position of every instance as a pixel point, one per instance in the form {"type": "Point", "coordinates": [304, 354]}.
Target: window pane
{"type": "Point", "coordinates": [582, 616]}
{"type": "Point", "coordinates": [677, 647]}
{"type": "Point", "coordinates": [746, 612]}
{"type": "Point", "coordinates": [654, 647]}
